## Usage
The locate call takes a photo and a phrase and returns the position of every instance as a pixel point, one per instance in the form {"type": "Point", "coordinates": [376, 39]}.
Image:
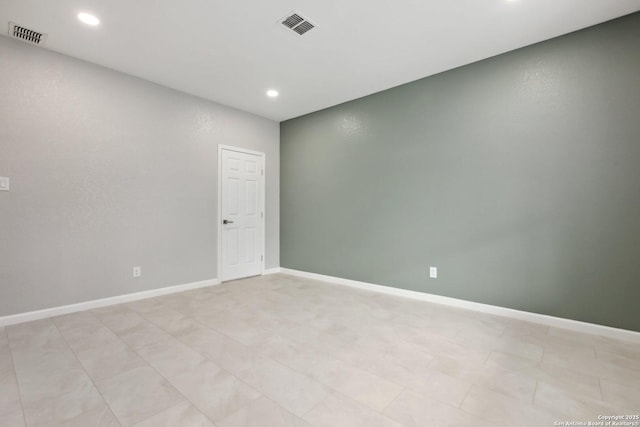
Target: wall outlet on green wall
{"type": "Point", "coordinates": [433, 272]}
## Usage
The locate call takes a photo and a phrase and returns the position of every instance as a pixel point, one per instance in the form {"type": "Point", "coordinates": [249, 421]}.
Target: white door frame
{"type": "Point", "coordinates": [262, 202]}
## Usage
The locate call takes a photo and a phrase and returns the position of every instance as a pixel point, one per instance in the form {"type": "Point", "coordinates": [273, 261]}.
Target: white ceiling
{"type": "Point", "coordinates": [232, 51]}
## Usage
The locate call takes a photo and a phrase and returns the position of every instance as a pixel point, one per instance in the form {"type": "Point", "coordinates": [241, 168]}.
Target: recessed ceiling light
{"type": "Point", "coordinates": [272, 93]}
{"type": "Point", "coordinates": [88, 19]}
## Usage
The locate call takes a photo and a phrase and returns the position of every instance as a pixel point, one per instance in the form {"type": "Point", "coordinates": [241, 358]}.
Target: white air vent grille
{"type": "Point", "coordinates": [27, 35]}
{"type": "Point", "coordinates": [297, 23]}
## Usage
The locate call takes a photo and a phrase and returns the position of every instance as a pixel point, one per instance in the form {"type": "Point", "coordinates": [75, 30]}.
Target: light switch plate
{"type": "Point", "coordinates": [4, 183]}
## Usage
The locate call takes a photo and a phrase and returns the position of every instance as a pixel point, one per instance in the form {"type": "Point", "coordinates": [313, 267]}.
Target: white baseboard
{"type": "Point", "coordinates": [87, 305]}
{"type": "Point", "coordinates": [557, 322]}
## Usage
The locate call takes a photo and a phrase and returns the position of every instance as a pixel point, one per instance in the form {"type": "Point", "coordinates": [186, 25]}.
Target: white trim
{"type": "Point", "coordinates": [263, 156]}
{"type": "Point", "coordinates": [557, 322]}
{"type": "Point", "coordinates": [240, 150]}
{"type": "Point", "coordinates": [103, 302]}
{"type": "Point", "coordinates": [271, 271]}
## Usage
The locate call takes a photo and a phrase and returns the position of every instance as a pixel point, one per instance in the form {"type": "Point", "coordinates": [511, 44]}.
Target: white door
{"type": "Point", "coordinates": [241, 210]}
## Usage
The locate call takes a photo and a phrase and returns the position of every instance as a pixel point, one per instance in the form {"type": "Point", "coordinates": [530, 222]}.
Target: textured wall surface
{"type": "Point", "coordinates": [517, 176]}
{"type": "Point", "coordinates": [109, 172]}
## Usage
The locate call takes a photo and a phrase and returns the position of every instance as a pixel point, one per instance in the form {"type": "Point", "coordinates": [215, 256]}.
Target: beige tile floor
{"type": "Point", "coordinates": [283, 351]}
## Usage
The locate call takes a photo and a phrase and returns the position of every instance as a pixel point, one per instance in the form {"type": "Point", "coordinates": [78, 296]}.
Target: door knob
{"type": "Point", "coordinates": [226, 221]}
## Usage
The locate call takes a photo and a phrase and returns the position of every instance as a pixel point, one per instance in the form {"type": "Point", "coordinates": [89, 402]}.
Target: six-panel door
{"type": "Point", "coordinates": [241, 206]}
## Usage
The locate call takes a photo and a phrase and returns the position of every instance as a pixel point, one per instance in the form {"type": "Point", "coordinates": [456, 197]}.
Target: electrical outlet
{"type": "Point", "coordinates": [137, 272]}
{"type": "Point", "coordinates": [433, 272]}
{"type": "Point", "coordinates": [4, 183]}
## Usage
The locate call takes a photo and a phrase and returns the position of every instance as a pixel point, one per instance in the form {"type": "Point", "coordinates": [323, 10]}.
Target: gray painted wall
{"type": "Point", "coordinates": [107, 172]}
{"type": "Point", "coordinates": [518, 177]}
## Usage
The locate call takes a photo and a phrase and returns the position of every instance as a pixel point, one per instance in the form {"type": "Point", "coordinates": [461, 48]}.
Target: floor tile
{"type": "Point", "coordinates": [438, 345]}
{"type": "Point", "coordinates": [9, 392]}
{"type": "Point", "coordinates": [12, 417]}
{"type": "Point", "coordinates": [623, 398]}
{"type": "Point", "coordinates": [171, 321]}
{"type": "Point", "coordinates": [588, 364]}
{"type": "Point", "coordinates": [425, 380]}
{"type": "Point", "coordinates": [33, 339]}
{"type": "Point", "coordinates": [412, 409]}
{"type": "Point", "coordinates": [182, 414]}
{"type": "Point", "coordinates": [77, 328]}
{"type": "Point", "coordinates": [332, 372]}
{"type": "Point", "coordinates": [56, 408]}
{"type": "Point", "coordinates": [144, 305]}
{"type": "Point", "coordinates": [240, 327]}
{"type": "Point", "coordinates": [627, 349]}
{"type": "Point", "coordinates": [408, 354]}
{"type": "Point", "coordinates": [142, 334]}
{"type": "Point", "coordinates": [222, 350]}
{"type": "Point", "coordinates": [505, 361]}
{"type": "Point", "coordinates": [214, 391]}
{"type": "Point", "coordinates": [519, 348]}
{"type": "Point", "coordinates": [299, 357]}
{"type": "Point", "coordinates": [626, 361]}
{"type": "Point", "coordinates": [370, 390]}
{"type": "Point", "coordinates": [563, 404]}
{"type": "Point", "coordinates": [106, 362]}
{"type": "Point", "coordinates": [339, 411]}
{"type": "Point", "coordinates": [169, 356]}
{"type": "Point", "coordinates": [444, 388]}
{"type": "Point", "coordinates": [10, 403]}
{"type": "Point", "coordinates": [98, 417]}
{"type": "Point", "coordinates": [137, 394]}
{"type": "Point", "coordinates": [574, 383]}
{"type": "Point", "coordinates": [119, 318]}
{"type": "Point", "coordinates": [496, 407]}
{"type": "Point", "coordinates": [292, 390]}
{"type": "Point", "coordinates": [53, 385]}
{"type": "Point", "coordinates": [520, 385]}
{"type": "Point", "coordinates": [262, 412]}
{"type": "Point", "coordinates": [87, 339]}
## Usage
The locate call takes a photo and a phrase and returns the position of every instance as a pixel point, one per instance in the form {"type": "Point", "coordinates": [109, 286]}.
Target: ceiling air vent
{"type": "Point", "coordinates": [297, 23]}
{"type": "Point", "coordinates": [27, 35]}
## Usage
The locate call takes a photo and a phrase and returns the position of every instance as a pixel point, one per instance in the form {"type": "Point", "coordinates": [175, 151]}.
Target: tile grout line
{"type": "Point", "coordinates": [600, 388]}
{"type": "Point", "coordinates": [176, 389]}
{"type": "Point", "coordinates": [193, 319]}
{"type": "Point", "coordinates": [150, 366]}
{"type": "Point", "coordinates": [465, 397]}
{"type": "Point", "coordinates": [75, 356]}
{"type": "Point", "coordinates": [402, 390]}
{"type": "Point", "coordinates": [15, 374]}
{"type": "Point", "coordinates": [315, 405]}
{"type": "Point", "coordinates": [262, 393]}
{"type": "Point", "coordinates": [535, 390]}
{"type": "Point", "coordinates": [206, 359]}
{"type": "Point", "coordinates": [171, 407]}
{"type": "Point", "coordinates": [475, 415]}
{"type": "Point", "coordinates": [308, 377]}
{"type": "Point", "coordinates": [381, 413]}
{"type": "Point", "coordinates": [245, 345]}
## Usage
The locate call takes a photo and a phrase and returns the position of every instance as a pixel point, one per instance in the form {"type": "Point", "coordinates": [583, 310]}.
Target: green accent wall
{"type": "Point", "coordinates": [517, 176]}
